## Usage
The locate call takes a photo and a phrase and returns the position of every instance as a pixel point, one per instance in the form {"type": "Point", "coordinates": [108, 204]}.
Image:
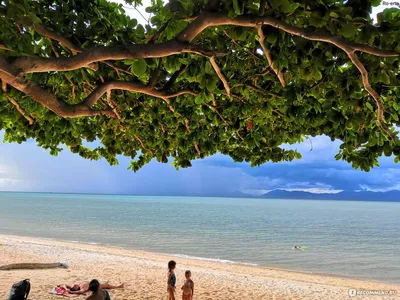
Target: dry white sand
{"type": "Point", "coordinates": [145, 274]}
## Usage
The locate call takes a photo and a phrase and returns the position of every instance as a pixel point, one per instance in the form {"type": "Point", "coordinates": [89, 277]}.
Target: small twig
{"type": "Point", "coordinates": [155, 36]}
{"type": "Point", "coordinates": [3, 47]}
{"type": "Point", "coordinates": [174, 77]}
{"type": "Point", "coordinates": [50, 34]}
{"type": "Point", "coordinates": [237, 132]}
{"type": "Point", "coordinates": [187, 124]}
{"type": "Point", "coordinates": [117, 70]}
{"type": "Point", "coordinates": [73, 86]}
{"type": "Point", "coordinates": [268, 55]}
{"type": "Point", "coordinates": [111, 104]}
{"type": "Point", "coordinates": [218, 113]}
{"type": "Point", "coordinates": [214, 107]}
{"type": "Point", "coordinates": [162, 128]}
{"type": "Point", "coordinates": [220, 75]}
{"type": "Point", "coordinates": [52, 47]}
{"type": "Point", "coordinates": [141, 143]}
{"type": "Point", "coordinates": [255, 57]}
{"type": "Point", "coordinates": [261, 91]}
{"type": "Point", "coordinates": [20, 110]}
{"type": "Point", "coordinates": [197, 149]}
{"type": "Point", "coordinates": [17, 106]}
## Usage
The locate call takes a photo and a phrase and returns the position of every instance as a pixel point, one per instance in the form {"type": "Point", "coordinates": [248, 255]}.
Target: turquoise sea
{"type": "Point", "coordinates": [353, 239]}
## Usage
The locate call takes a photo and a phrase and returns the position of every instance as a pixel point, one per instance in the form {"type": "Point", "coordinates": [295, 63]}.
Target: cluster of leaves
{"type": "Point", "coordinates": [324, 94]}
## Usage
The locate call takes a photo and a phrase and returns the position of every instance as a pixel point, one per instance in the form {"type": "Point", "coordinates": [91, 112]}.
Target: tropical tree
{"type": "Point", "coordinates": [238, 77]}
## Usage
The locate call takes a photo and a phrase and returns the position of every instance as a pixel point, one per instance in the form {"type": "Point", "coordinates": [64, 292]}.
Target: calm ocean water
{"type": "Point", "coordinates": [355, 239]}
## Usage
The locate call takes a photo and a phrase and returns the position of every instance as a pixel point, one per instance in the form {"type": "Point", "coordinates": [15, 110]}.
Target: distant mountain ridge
{"type": "Point", "coordinates": [392, 196]}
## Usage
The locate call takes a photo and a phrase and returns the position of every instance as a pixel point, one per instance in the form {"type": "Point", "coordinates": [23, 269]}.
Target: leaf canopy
{"type": "Point", "coordinates": [240, 77]}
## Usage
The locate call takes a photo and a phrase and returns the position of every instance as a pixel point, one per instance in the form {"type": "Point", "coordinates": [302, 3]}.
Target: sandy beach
{"type": "Point", "coordinates": [145, 274]}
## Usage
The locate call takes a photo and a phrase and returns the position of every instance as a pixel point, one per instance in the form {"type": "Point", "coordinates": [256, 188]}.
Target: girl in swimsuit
{"type": "Point", "coordinates": [188, 287]}
{"type": "Point", "coordinates": [171, 281]}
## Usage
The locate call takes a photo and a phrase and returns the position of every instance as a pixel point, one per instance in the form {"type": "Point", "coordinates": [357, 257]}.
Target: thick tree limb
{"type": "Point", "coordinates": [377, 98]}
{"type": "Point", "coordinates": [42, 96]}
{"type": "Point", "coordinates": [268, 55]}
{"type": "Point", "coordinates": [181, 44]}
{"type": "Point", "coordinates": [221, 76]}
{"type": "Point", "coordinates": [88, 57]}
{"type": "Point", "coordinates": [209, 19]}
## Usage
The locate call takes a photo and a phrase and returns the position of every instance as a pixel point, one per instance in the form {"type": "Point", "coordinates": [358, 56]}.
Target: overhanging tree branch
{"type": "Point", "coordinates": [377, 98]}
{"type": "Point", "coordinates": [221, 76]}
{"type": "Point", "coordinates": [132, 87]}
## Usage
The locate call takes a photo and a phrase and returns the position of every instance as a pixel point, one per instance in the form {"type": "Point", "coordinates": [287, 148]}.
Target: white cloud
{"type": "Point", "coordinates": [314, 190]}
{"type": "Point", "coordinates": [260, 185]}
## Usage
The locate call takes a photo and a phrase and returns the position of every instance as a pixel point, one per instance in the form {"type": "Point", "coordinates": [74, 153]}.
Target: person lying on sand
{"type": "Point", "coordinates": [97, 292]}
{"type": "Point", "coordinates": [188, 287]}
{"type": "Point", "coordinates": [82, 288]}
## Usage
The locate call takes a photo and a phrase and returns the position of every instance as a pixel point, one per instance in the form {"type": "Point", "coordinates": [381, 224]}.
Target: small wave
{"type": "Point", "coordinates": [218, 260]}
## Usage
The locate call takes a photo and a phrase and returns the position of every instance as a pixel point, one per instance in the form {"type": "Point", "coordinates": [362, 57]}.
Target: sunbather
{"type": "Point", "coordinates": [82, 288]}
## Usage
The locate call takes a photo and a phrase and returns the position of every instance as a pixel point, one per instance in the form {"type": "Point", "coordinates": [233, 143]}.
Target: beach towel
{"type": "Point", "coordinates": [62, 292]}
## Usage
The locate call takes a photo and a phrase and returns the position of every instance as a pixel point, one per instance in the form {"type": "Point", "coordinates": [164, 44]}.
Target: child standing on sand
{"type": "Point", "coordinates": [171, 281]}
{"type": "Point", "coordinates": [188, 287]}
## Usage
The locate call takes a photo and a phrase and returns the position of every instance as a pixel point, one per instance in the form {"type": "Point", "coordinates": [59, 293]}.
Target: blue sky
{"type": "Point", "coordinates": [27, 167]}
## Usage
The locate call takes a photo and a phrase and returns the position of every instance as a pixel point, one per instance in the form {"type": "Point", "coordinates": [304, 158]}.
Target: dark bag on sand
{"type": "Point", "coordinates": [20, 290]}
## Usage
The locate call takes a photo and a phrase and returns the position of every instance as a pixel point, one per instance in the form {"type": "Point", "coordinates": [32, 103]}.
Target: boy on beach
{"type": "Point", "coordinates": [188, 287]}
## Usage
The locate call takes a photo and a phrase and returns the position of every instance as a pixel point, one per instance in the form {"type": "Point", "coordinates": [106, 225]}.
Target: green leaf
{"type": "Point", "coordinates": [199, 100]}
{"type": "Point", "coordinates": [384, 77]}
{"type": "Point", "coordinates": [333, 15]}
{"type": "Point", "coordinates": [369, 106]}
{"type": "Point", "coordinates": [236, 6]}
{"type": "Point", "coordinates": [209, 69]}
{"type": "Point", "coordinates": [139, 67]}
{"type": "Point", "coordinates": [376, 3]}
{"type": "Point", "coordinates": [348, 30]}
{"type": "Point", "coordinates": [272, 37]}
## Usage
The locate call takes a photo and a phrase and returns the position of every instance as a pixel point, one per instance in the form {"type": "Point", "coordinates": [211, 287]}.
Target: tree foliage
{"type": "Point", "coordinates": [240, 77]}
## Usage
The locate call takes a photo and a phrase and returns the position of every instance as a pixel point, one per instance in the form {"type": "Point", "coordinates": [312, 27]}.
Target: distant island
{"type": "Point", "coordinates": [391, 196]}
